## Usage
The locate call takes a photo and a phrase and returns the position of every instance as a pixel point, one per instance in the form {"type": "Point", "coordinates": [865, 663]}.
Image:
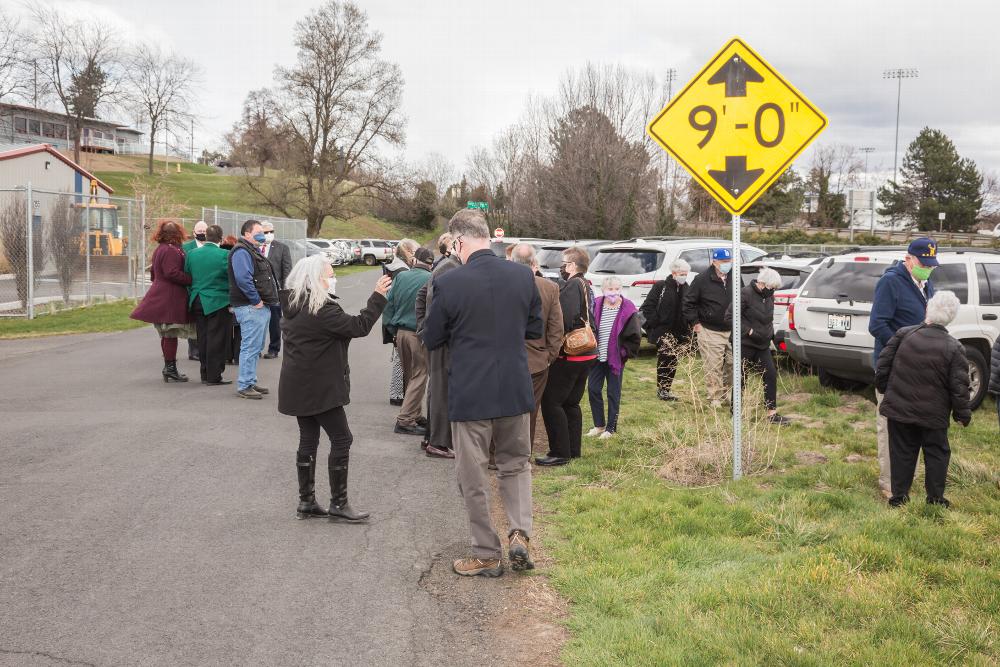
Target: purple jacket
{"type": "Point", "coordinates": [626, 333]}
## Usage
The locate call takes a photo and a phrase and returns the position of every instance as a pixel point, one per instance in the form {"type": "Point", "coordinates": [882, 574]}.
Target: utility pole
{"type": "Point", "coordinates": [192, 140]}
{"type": "Point", "coordinates": [899, 74]}
{"type": "Point", "coordinates": [867, 150]}
{"type": "Point", "coordinates": [668, 170]}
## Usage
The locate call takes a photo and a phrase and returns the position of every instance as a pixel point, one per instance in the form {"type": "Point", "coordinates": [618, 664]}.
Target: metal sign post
{"type": "Point", "coordinates": [736, 283]}
{"type": "Point", "coordinates": [86, 243]}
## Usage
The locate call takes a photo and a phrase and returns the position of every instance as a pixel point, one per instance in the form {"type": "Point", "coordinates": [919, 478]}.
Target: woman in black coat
{"type": "Point", "coordinates": [923, 374]}
{"type": "Point", "coordinates": [994, 386]}
{"type": "Point", "coordinates": [757, 327]}
{"type": "Point", "coordinates": [315, 382]}
{"type": "Point", "coordinates": [666, 328]}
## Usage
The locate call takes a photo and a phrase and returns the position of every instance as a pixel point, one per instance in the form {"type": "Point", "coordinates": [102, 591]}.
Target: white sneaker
{"type": "Point", "coordinates": [597, 430]}
{"type": "Point", "coordinates": [607, 435]}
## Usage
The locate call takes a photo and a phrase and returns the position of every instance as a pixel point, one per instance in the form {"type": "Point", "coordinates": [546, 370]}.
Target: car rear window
{"type": "Point", "coordinates": [790, 278]}
{"type": "Point", "coordinates": [381, 244]}
{"type": "Point", "coordinates": [845, 281]}
{"type": "Point", "coordinates": [952, 277]}
{"type": "Point", "coordinates": [320, 244]}
{"type": "Point", "coordinates": [550, 258]}
{"type": "Point", "coordinates": [627, 262]}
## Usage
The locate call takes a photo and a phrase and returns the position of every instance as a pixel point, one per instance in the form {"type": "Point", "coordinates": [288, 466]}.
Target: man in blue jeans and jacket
{"type": "Point", "coordinates": [900, 300]}
{"type": "Point", "coordinates": [252, 290]}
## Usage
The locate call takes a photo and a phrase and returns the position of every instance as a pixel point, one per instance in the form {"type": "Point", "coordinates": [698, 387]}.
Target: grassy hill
{"type": "Point", "coordinates": [198, 185]}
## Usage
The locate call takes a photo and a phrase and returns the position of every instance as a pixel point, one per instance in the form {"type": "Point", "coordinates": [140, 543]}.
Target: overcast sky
{"type": "Point", "coordinates": [469, 66]}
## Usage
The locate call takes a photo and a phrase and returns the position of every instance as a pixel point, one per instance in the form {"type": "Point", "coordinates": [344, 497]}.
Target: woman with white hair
{"type": "Point", "coordinates": [618, 338]}
{"type": "Point", "coordinates": [757, 328]}
{"type": "Point", "coordinates": [924, 376]}
{"type": "Point", "coordinates": [666, 328]}
{"type": "Point", "coordinates": [315, 377]}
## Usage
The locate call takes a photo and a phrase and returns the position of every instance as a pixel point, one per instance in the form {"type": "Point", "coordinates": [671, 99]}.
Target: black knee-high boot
{"type": "Point", "coordinates": [308, 507]}
{"type": "Point", "coordinates": [340, 507]}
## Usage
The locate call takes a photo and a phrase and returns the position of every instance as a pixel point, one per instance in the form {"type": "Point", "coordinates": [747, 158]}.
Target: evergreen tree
{"type": "Point", "coordinates": [781, 203]}
{"type": "Point", "coordinates": [935, 179]}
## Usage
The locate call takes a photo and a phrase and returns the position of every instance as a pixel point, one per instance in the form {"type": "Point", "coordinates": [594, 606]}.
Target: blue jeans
{"type": "Point", "coordinates": [595, 387]}
{"type": "Point", "coordinates": [253, 327]}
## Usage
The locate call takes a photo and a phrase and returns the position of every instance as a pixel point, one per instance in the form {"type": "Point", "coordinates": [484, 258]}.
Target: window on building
{"type": "Point", "coordinates": [48, 130]}
{"type": "Point", "coordinates": [20, 124]}
{"type": "Point", "coordinates": [60, 130]}
{"type": "Point", "coordinates": [34, 127]}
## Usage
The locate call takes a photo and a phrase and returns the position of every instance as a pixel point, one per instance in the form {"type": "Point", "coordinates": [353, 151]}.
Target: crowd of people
{"type": "Point", "coordinates": [482, 344]}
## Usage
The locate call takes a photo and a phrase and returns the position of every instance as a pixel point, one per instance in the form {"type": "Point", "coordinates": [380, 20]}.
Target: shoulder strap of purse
{"type": "Point", "coordinates": [586, 305]}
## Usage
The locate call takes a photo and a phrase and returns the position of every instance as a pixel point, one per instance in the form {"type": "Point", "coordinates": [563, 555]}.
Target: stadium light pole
{"type": "Point", "coordinates": [670, 76]}
{"type": "Point", "coordinates": [867, 150]}
{"type": "Point", "coordinates": [898, 73]}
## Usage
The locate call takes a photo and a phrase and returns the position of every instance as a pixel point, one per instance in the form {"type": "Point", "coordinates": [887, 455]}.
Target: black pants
{"type": "Point", "coordinates": [666, 362]}
{"type": "Point", "coordinates": [192, 348]}
{"type": "Point", "coordinates": [213, 334]}
{"type": "Point", "coordinates": [905, 443]}
{"type": "Point", "coordinates": [334, 423]}
{"type": "Point", "coordinates": [762, 361]}
{"type": "Point", "coordinates": [561, 406]}
{"type": "Point", "coordinates": [274, 327]}
{"type": "Point", "coordinates": [234, 341]}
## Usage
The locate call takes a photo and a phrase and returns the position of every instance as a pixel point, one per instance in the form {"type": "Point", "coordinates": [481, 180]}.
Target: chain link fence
{"type": "Point", "coordinates": [290, 231]}
{"type": "Point", "coordinates": [59, 249]}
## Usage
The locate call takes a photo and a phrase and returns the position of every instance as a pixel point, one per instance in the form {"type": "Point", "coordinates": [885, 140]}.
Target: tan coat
{"type": "Point", "coordinates": [542, 352]}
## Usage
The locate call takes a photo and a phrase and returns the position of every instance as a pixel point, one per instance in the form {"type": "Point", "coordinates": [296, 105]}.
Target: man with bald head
{"type": "Point", "coordinates": [200, 229]}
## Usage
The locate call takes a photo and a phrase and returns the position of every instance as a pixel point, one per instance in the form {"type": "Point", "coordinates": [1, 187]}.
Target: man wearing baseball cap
{"type": "Point", "coordinates": [704, 309]}
{"type": "Point", "coordinates": [900, 300]}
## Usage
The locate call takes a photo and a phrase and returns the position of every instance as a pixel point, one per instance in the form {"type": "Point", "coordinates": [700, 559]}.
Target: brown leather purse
{"type": "Point", "coordinates": [582, 340]}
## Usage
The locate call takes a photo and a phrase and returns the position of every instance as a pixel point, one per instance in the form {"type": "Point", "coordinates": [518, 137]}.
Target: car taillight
{"type": "Point", "coordinates": [782, 346]}
{"type": "Point", "coordinates": [862, 259]}
{"type": "Point", "coordinates": [783, 299]}
{"type": "Point", "coordinates": [640, 283]}
{"type": "Point", "coordinates": [791, 316]}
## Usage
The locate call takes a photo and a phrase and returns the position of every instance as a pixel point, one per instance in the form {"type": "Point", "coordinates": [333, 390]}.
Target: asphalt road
{"type": "Point", "coordinates": [147, 523]}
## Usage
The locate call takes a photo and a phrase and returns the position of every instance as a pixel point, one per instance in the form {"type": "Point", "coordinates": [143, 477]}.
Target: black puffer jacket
{"type": "Point", "coordinates": [924, 375]}
{"type": "Point", "coordinates": [662, 310]}
{"type": "Point", "coordinates": [756, 317]}
{"type": "Point", "coordinates": [706, 301]}
{"type": "Point", "coordinates": [994, 387]}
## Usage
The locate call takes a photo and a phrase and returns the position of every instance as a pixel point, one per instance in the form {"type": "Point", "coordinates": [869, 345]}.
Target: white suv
{"type": "Point", "coordinates": [828, 322]}
{"type": "Point", "coordinates": [374, 251]}
{"type": "Point", "coordinates": [641, 262]}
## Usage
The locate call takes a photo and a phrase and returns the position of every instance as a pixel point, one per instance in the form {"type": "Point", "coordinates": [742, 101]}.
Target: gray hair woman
{"type": "Point", "coordinates": [757, 328]}
{"type": "Point", "coordinates": [315, 385]}
{"type": "Point", "coordinates": [666, 328]}
{"type": "Point", "coordinates": [924, 376]}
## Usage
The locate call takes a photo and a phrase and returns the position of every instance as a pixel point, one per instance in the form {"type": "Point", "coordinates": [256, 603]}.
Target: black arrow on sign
{"type": "Point", "coordinates": [736, 74]}
{"type": "Point", "coordinates": [736, 178]}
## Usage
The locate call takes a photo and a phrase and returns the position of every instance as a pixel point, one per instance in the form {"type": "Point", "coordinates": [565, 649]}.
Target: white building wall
{"type": "Point", "coordinates": [45, 172]}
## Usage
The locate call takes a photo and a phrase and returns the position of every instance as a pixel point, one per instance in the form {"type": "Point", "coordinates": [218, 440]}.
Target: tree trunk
{"type": "Point", "coordinates": [76, 143]}
{"type": "Point", "coordinates": [313, 225]}
{"type": "Point", "coordinates": [152, 144]}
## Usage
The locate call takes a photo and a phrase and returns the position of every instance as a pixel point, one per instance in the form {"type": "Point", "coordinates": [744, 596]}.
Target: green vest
{"type": "Point", "coordinates": [209, 269]}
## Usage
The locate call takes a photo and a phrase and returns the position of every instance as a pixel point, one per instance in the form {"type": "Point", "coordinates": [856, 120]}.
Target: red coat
{"type": "Point", "coordinates": [166, 302]}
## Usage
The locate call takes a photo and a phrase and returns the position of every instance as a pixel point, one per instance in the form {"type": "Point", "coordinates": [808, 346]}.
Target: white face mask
{"type": "Point", "coordinates": [331, 285]}
{"type": "Point", "coordinates": [268, 237]}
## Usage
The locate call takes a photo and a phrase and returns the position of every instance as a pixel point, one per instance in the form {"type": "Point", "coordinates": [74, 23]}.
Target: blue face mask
{"type": "Point", "coordinates": [259, 237]}
{"type": "Point", "coordinates": [726, 267]}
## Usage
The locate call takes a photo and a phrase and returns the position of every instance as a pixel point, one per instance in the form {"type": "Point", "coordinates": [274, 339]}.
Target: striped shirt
{"type": "Point", "coordinates": [608, 315]}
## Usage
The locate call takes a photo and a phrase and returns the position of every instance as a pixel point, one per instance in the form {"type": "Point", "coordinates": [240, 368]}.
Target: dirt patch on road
{"type": "Point", "coordinates": [518, 616]}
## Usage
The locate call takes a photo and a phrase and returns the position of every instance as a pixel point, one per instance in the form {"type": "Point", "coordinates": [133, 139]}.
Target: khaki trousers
{"type": "Point", "coordinates": [471, 441]}
{"type": "Point", "coordinates": [717, 357]}
{"type": "Point", "coordinates": [882, 436]}
{"type": "Point", "coordinates": [413, 356]}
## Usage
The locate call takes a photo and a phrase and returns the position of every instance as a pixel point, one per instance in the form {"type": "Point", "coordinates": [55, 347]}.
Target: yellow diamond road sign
{"type": "Point", "coordinates": [737, 126]}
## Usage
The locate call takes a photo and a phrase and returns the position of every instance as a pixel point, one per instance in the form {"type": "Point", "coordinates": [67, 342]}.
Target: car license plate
{"type": "Point", "coordinates": [838, 322]}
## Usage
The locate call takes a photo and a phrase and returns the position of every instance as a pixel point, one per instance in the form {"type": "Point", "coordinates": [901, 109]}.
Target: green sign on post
{"type": "Point", "coordinates": [478, 205]}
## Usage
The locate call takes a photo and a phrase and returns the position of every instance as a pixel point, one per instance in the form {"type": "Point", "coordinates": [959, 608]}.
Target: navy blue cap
{"type": "Point", "coordinates": [924, 249]}
{"type": "Point", "coordinates": [720, 254]}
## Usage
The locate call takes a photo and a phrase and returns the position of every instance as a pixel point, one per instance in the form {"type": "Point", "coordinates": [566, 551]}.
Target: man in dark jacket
{"type": "Point", "coordinates": [705, 307]}
{"type": "Point", "coordinates": [666, 328]}
{"type": "Point", "coordinates": [900, 300]}
{"type": "Point", "coordinates": [281, 261]}
{"type": "Point", "coordinates": [484, 311]}
{"type": "Point", "coordinates": [209, 302]}
{"type": "Point", "coordinates": [994, 386]}
{"type": "Point", "coordinates": [923, 374]}
{"type": "Point", "coordinates": [252, 289]}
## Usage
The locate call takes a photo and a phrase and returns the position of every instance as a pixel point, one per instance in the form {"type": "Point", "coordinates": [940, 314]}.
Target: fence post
{"type": "Point", "coordinates": [215, 215]}
{"type": "Point", "coordinates": [86, 242]}
{"type": "Point", "coordinates": [30, 207]}
{"type": "Point", "coordinates": [131, 250]}
{"type": "Point", "coordinates": [142, 247]}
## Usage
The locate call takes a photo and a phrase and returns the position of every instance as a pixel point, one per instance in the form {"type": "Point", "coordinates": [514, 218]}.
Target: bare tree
{"type": "Point", "coordinates": [13, 80]}
{"type": "Point", "coordinates": [437, 169]}
{"type": "Point", "coordinates": [14, 240]}
{"type": "Point", "coordinates": [160, 84]}
{"type": "Point", "coordinates": [339, 104]}
{"type": "Point", "coordinates": [833, 170]}
{"type": "Point", "coordinates": [990, 193]}
{"type": "Point", "coordinates": [259, 138]}
{"type": "Point", "coordinates": [79, 60]}
{"type": "Point", "coordinates": [63, 242]}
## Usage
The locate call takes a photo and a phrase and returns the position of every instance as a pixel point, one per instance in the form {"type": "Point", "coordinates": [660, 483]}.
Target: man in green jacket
{"type": "Point", "coordinates": [209, 301]}
{"type": "Point", "coordinates": [400, 318]}
{"type": "Point", "coordinates": [189, 245]}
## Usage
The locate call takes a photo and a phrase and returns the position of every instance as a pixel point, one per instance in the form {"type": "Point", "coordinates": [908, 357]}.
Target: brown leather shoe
{"type": "Point", "coordinates": [438, 453]}
{"type": "Point", "coordinates": [472, 567]}
{"type": "Point", "coordinates": [520, 558]}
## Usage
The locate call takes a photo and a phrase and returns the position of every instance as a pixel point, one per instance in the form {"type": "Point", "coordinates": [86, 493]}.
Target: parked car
{"type": "Point", "coordinates": [793, 274]}
{"type": "Point", "coordinates": [641, 262]}
{"type": "Point", "coordinates": [550, 255]}
{"type": "Point", "coordinates": [828, 322]}
{"type": "Point", "coordinates": [995, 232]}
{"type": "Point", "coordinates": [499, 246]}
{"type": "Point", "coordinates": [355, 249]}
{"type": "Point", "coordinates": [375, 251]}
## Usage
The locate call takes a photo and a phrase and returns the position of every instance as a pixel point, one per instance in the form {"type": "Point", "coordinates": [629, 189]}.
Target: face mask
{"type": "Point", "coordinates": [922, 272]}
{"type": "Point", "coordinates": [682, 278]}
{"type": "Point", "coordinates": [200, 237]}
{"type": "Point", "coordinates": [613, 297]}
{"type": "Point", "coordinates": [332, 286]}
{"type": "Point", "coordinates": [726, 267]}
{"type": "Point", "coordinates": [563, 274]}
{"type": "Point", "coordinates": [258, 237]}
{"type": "Point", "coordinates": [269, 236]}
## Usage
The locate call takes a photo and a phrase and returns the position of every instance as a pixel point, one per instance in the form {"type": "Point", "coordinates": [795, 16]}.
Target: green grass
{"type": "Point", "coordinates": [104, 317]}
{"type": "Point", "coordinates": [371, 227]}
{"type": "Point", "coordinates": [802, 565]}
{"type": "Point", "coordinates": [193, 188]}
